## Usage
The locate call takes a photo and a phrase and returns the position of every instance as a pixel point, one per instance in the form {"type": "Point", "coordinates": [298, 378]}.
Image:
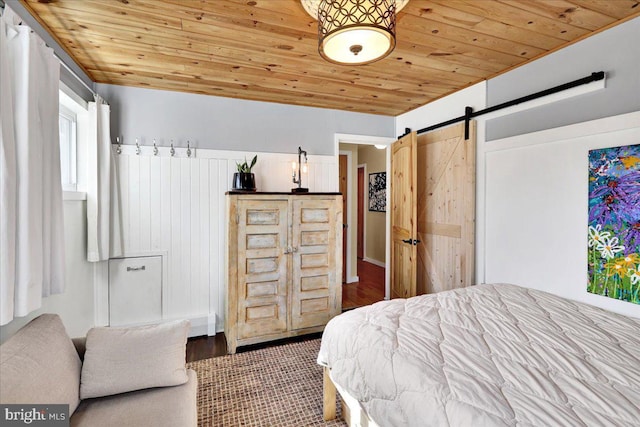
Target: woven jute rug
{"type": "Point", "coordinates": [274, 386]}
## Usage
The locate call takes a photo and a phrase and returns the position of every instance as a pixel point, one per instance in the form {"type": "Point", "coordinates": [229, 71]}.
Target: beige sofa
{"type": "Point", "coordinates": [40, 364]}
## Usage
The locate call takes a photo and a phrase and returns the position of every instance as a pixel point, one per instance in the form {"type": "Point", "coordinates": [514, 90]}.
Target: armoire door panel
{"type": "Point", "coordinates": [312, 283]}
{"type": "Point", "coordinates": [314, 305]}
{"type": "Point", "coordinates": [263, 318]}
{"type": "Point", "coordinates": [313, 309]}
{"type": "Point", "coordinates": [313, 238]}
{"type": "Point", "coordinates": [314, 260]}
{"type": "Point", "coordinates": [260, 289]}
{"type": "Point", "coordinates": [262, 241]}
{"type": "Point", "coordinates": [259, 316]}
{"type": "Point", "coordinates": [263, 217]}
{"type": "Point", "coordinates": [261, 312]}
{"type": "Point", "coordinates": [314, 216]}
{"type": "Point", "coordinates": [314, 221]}
{"type": "Point", "coordinates": [262, 267]}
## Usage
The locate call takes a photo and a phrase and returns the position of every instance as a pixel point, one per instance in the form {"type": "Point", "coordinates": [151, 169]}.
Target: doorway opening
{"type": "Point", "coordinates": [362, 181]}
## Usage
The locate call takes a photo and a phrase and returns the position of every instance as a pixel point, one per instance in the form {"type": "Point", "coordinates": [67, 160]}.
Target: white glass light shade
{"type": "Point", "coordinates": [355, 32]}
{"type": "Point", "coordinates": [357, 45]}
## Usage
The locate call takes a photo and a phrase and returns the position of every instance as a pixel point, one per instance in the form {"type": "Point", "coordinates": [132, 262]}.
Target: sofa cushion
{"type": "Point", "coordinates": [39, 365]}
{"type": "Point", "coordinates": [158, 407]}
{"type": "Point", "coordinates": [118, 360]}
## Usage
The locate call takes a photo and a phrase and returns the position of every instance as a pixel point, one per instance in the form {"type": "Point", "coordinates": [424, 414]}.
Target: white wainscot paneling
{"type": "Point", "coordinates": [175, 206]}
{"type": "Point", "coordinates": [535, 190]}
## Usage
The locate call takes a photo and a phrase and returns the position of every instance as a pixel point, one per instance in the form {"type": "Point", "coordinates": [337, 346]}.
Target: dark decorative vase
{"type": "Point", "coordinates": [244, 181]}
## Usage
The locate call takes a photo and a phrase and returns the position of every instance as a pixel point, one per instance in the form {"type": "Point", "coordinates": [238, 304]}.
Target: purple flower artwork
{"type": "Point", "coordinates": [614, 223]}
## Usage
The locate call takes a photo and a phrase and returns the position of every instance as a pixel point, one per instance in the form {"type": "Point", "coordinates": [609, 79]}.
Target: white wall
{"type": "Point", "coordinates": [375, 223]}
{"type": "Point", "coordinates": [176, 207]}
{"type": "Point", "coordinates": [614, 51]}
{"type": "Point", "coordinates": [231, 124]}
{"type": "Point", "coordinates": [75, 305]}
{"type": "Point", "coordinates": [536, 194]}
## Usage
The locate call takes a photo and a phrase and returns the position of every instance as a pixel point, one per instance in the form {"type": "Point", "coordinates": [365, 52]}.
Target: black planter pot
{"type": "Point", "coordinates": [244, 181]}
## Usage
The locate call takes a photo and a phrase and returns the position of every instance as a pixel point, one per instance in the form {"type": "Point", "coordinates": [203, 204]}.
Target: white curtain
{"type": "Point", "coordinates": [103, 214]}
{"type": "Point", "coordinates": [31, 221]}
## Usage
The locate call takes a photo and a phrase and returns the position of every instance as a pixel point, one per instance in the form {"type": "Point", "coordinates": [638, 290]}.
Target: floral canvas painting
{"type": "Point", "coordinates": [614, 223]}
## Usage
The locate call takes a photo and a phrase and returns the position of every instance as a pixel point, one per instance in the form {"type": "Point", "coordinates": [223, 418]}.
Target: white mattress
{"type": "Point", "coordinates": [487, 355]}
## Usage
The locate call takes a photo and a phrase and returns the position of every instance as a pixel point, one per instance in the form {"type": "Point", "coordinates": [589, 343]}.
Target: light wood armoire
{"type": "Point", "coordinates": [284, 265]}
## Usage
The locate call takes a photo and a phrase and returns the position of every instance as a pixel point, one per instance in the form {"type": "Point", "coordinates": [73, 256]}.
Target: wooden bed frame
{"type": "Point", "coordinates": [329, 396]}
{"type": "Point", "coordinates": [354, 415]}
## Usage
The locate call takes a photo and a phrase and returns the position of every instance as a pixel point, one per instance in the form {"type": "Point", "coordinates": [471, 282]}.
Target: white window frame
{"type": "Point", "coordinates": [71, 104]}
{"type": "Point", "coordinates": [69, 151]}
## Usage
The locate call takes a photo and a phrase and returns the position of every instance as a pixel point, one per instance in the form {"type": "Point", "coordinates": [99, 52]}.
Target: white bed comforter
{"type": "Point", "coordinates": [488, 355]}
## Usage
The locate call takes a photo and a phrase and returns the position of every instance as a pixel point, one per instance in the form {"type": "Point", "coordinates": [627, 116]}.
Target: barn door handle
{"type": "Point", "coordinates": [411, 241]}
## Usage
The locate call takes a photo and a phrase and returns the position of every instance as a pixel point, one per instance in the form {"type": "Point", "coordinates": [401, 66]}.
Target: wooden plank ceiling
{"type": "Point", "coordinates": [266, 50]}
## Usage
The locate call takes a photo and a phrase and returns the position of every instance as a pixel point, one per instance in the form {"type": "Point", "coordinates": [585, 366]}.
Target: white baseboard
{"type": "Point", "coordinates": [353, 279]}
{"type": "Point", "coordinates": [203, 325]}
{"type": "Point", "coordinates": [375, 262]}
{"type": "Point", "coordinates": [211, 324]}
{"type": "Point", "coordinates": [200, 325]}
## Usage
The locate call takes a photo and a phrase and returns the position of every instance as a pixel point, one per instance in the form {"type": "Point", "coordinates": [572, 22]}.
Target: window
{"type": "Point", "coordinates": [68, 142]}
{"type": "Point", "coordinates": [74, 136]}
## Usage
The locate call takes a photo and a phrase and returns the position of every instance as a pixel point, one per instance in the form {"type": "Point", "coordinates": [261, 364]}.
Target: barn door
{"type": "Point", "coordinates": [403, 217]}
{"type": "Point", "coordinates": [446, 209]}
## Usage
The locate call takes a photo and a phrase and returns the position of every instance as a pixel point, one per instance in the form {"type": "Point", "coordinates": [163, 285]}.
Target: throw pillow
{"type": "Point", "coordinates": [119, 360]}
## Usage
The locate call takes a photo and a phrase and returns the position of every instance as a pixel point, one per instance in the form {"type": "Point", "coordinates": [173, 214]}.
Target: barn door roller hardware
{"type": "Point", "coordinates": [470, 114]}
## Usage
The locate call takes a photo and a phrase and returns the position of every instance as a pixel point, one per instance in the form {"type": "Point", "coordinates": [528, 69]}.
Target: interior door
{"type": "Point", "coordinates": [343, 169]}
{"type": "Point", "coordinates": [403, 216]}
{"type": "Point", "coordinates": [446, 209]}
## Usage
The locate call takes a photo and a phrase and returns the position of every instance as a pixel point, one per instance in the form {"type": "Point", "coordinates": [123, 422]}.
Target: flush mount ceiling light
{"type": "Point", "coordinates": [355, 32]}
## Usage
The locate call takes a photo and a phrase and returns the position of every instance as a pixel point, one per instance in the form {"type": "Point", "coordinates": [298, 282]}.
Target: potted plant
{"type": "Point", "coordinates": [244, 180]}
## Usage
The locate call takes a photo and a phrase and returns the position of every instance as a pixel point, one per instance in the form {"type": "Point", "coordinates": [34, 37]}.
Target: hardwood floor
{"type": "Point", "coordinates": [205, 347]}
{"type": "Point", "coordinates": [368, 290]}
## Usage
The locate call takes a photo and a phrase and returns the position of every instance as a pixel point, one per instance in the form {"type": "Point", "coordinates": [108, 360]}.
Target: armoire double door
{"type": "Point", "coordinates": [284, 265]}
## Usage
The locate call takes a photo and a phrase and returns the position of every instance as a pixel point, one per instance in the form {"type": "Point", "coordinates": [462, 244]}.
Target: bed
{"type": "Point", "coordinates": [486, 355]}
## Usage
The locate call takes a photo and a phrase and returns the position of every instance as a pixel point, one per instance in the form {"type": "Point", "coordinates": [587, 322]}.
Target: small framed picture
{"type": "Point", "coordinates": [378, 192]}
